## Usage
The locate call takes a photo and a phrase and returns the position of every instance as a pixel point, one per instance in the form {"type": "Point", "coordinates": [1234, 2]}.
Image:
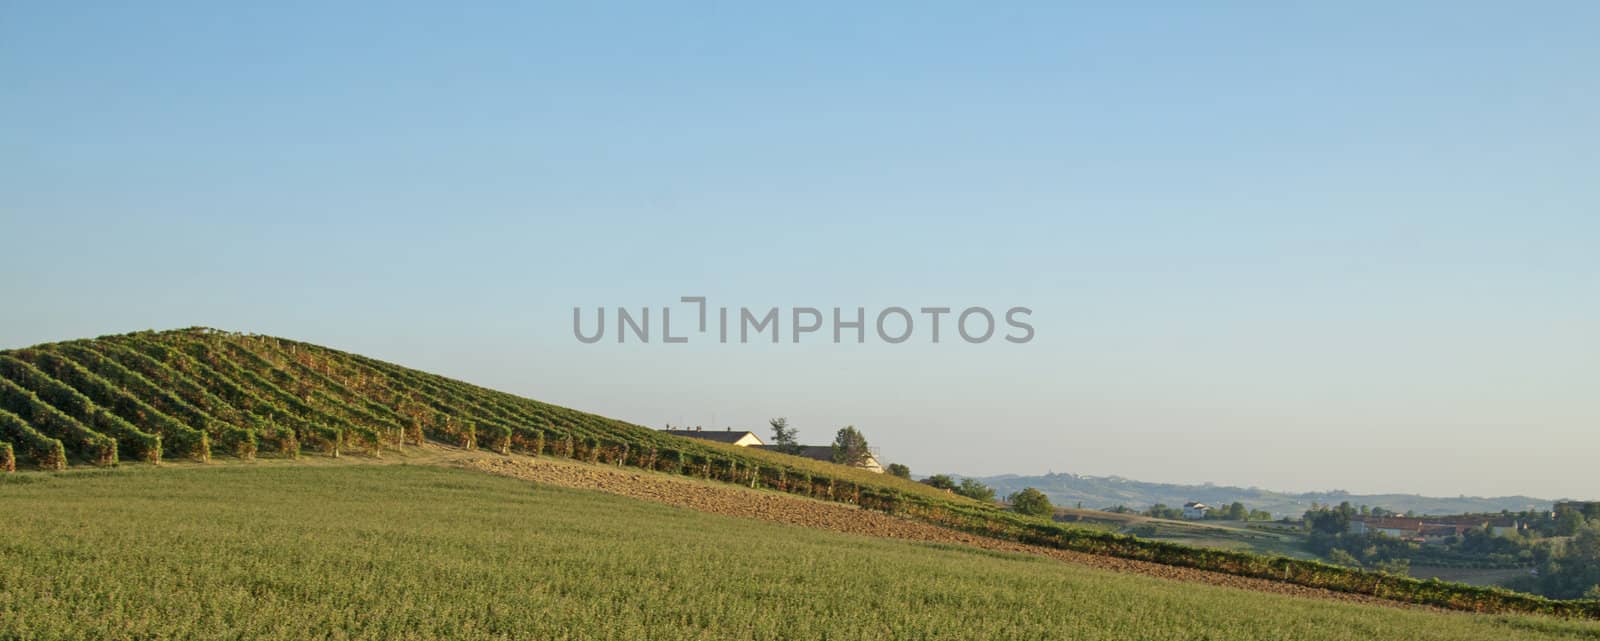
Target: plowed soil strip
{"type": "Point", "coordinates": [793, 510]}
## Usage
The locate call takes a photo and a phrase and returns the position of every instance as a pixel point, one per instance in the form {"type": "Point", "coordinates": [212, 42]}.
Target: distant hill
{"type": "Point", "coordinates": [1098, 492]}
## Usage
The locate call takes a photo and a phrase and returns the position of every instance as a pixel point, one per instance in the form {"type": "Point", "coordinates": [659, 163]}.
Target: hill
{"type": "Point", "coordinates": [339, 550]}
{"type": "Point", "coordinates": [202, 394]}
{"type": "Point", "coordinates": [1099, 492]}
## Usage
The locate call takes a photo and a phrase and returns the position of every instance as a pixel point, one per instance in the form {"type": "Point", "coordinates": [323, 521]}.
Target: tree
{"type": "Point", "coordinates": [976, 490]}
{"type": "Point", "coordinates": [783, 436]}
{"type": "Point", "coordinates": [1031, 502]}
{"type": "Point", "coordinates": [896, 469]}
{"type": "Point", "coordinates": [1341, 557]}
{"type": "Point", "coordinates": [1397, 567]}
{"type": "Point", "coordinates": [1568, 522]}
{"type": "Point", "coordinates": [941, 481]}
{"type": "Point", "coordinates": [1237, 512]}
{"type": "Point", "coordinates": [850, 447]}
{"type": "Point", "coordinates": [1573, 569]}
{"type": "Point", "coordinates": [1328, 521]}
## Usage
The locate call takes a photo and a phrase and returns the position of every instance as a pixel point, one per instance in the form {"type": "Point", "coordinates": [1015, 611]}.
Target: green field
{"type": "Point", "coordinates": [264, 551]}
{"type": "Point", "coordinates": [1224, 535]}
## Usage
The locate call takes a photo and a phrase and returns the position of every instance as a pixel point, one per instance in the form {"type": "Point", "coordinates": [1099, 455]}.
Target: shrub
{"type": "Point", "coordinates": [413, 431]}
{"type": "Point", "coordinates": [528, 441]}
{"type": "Point", "coordinates": [494, 437]}
{"type": "Point", "coordinates": [1341, 557]}
{"type": "Point", "coordinates": [1031, 502]}
{"type": "Point", "coordinates": [174, 435]}
{"type": "Point", "coordinates": [238, 441]}
{"type": "Point", "coordinates": [97, 448]}
{"type": "Point", "coordinates": [975, 490]}
{"type": "Point", "coordinates": [62, 398]}
{"type": "Point", "coordinates": [271, 433]}
{"type": "Point", "coordinates": [173, 397]}
{"type": "Point", "coordinates": [45, 452]}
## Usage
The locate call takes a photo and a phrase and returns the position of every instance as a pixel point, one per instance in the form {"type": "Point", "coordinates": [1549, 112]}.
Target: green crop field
{"type": "Point", "coordinates": [417, 552]}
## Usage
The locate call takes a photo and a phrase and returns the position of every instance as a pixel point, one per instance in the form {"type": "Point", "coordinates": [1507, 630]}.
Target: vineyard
{"type": "Point", "coordinates": [200, 394]}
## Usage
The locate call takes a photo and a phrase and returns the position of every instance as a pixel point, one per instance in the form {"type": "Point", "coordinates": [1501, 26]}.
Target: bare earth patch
{"type": "Point", "coordinates": [736, 501]}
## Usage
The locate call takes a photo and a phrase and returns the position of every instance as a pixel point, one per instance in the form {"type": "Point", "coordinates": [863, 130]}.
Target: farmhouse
{"type": "Point", "coordinates": [1433, 529]}
{"type": "Point", "coordinates": [825, 453]}
{"type": "Point", "coordinates": [741, 438]}
{"type": "Point", "coordinates": [1399, 528]}
{"type": "Point", "coordinates": [1439, 533]}
{"type": "Point", "coordinates": [1195, 510]}
{"type": "Point", "coordinates": [747, 438]}
{"type": "Point", "coordinates": [1590, 509]}
{"type": "Point", "coordinates": [1505, 527]}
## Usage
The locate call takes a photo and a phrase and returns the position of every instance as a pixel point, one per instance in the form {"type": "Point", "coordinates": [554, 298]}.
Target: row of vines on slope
{"type": "Point", "coordinates": [176, 437]}
{"type": "Point", "coordinates": [89, 422]}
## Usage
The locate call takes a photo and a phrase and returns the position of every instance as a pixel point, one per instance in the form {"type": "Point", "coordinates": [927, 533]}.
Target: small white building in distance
{"type": "Point", "coordinates": [747, 438]}
{"type": "Point", "coordinates": [1195, 510]}
{"type": "Point", "coordinates": [824, 453]}
{"type": "Point", "coordinates": [741, 438]}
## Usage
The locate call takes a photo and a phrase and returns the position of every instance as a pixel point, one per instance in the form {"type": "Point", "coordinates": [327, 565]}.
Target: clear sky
{"type": "Point", "coordinates": [1305, 246]}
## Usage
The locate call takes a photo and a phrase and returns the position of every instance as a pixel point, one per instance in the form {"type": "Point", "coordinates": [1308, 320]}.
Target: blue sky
{"type": "Point", "coordinates": [1346, 245]}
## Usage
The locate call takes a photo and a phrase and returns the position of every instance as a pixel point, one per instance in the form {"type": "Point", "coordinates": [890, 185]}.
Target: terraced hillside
{"type": "Point", "coordinates": [201, 394]}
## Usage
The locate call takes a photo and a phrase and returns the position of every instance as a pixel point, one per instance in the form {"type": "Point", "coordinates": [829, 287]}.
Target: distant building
{"type": "Point", "coordinates": [1433, 529]}
{"type": "Point", "coordinates": [1395, 527]}
{"type": "Point", "coordinates": [825, 453]}
{"type": "Point", "coordinates": [1505, 527]}
{"type": "Point", "coordinates": [741, 438]}
{"type": "Point", "coordinates": [747, 438]}
{"type": "Point", "coordinates": [1589, 509]}
{"type": "Point", "coordinates": [1195, 510]}
{"type": "Point", "coordinates": [1438, 533]}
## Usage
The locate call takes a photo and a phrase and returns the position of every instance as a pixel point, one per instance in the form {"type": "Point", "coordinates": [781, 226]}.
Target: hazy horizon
{"type": "Point", "coordinates": [1298, 248]}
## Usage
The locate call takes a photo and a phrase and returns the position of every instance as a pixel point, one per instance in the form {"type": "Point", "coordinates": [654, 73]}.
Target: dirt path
{"type": "Point", "coordinates": [793, 510]}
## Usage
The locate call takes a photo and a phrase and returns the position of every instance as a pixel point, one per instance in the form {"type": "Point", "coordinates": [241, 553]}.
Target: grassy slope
{"type": "Point", "coordinates": [397, 552]}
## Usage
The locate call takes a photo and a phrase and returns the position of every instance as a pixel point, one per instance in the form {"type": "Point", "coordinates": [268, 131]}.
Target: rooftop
{"type": "Point", "coordinates": [725, 435]}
